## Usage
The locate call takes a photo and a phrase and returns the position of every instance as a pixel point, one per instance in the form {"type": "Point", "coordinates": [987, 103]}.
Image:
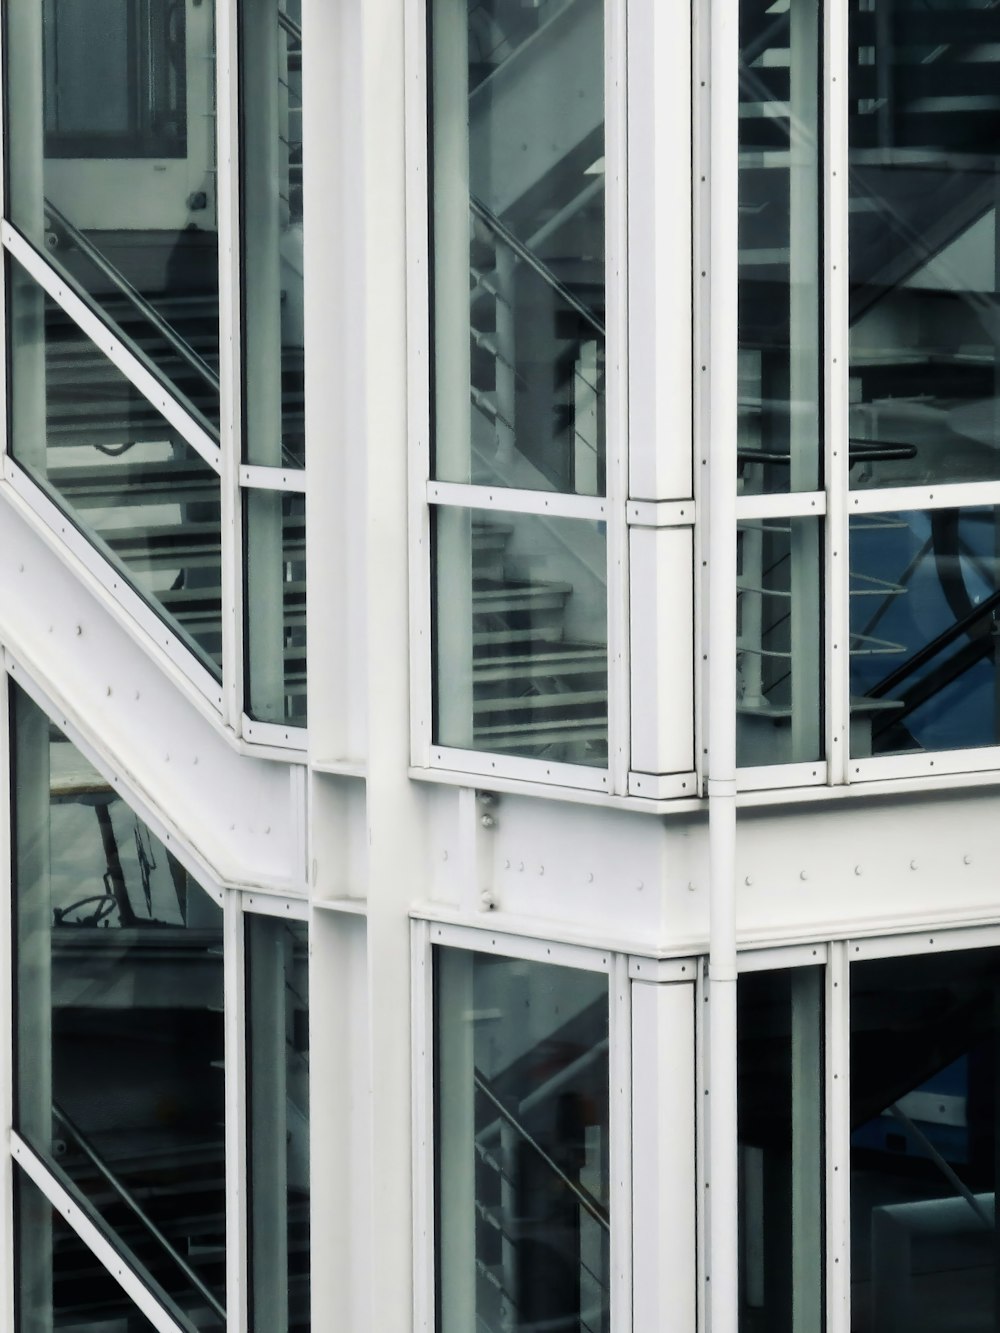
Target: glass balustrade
{"type": "Point", "coordinates": [523, 1178]}
{"type": "Point", "coordinates": [925, 599]}
{"type": "Point", "coordinates": [276, 606]}
{"type": "Point", "coordinates": [272, 185]}
{"type": "Point", "coordinates": [924, 311]}
{"type": "Point", "coordinates": [779, 706]}
{"type": "Point", "coordinates": [111, 168]}
{"type": "Point", "coordinates": [120, 1040]}
{"type": "Point", "coordinates": [520, 635]}
{"type": "Point", "coordinates": [518, 236]}
{"type": "Point", "coordinates": [146, 499]}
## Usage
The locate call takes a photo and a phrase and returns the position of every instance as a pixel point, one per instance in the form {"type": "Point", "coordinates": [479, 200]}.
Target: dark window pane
{"type": "Point", "coordinates": [276, 606]}
{"type": "Point", "coordinates": [925, 1034]}
{"type": "Point", "coordinates": [120, 1039]}
{"type": "Point", "coordinates": [522, 1121]}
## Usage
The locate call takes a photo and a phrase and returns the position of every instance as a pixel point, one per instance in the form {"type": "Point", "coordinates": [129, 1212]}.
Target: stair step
{"type": "Point", "coordinates": [537, 702]}
{"type": "Point", "coordinates": [576, 661]}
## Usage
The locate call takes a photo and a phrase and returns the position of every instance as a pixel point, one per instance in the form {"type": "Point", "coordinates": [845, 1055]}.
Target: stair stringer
{"type": "Point", "coordinates": [231, 818]}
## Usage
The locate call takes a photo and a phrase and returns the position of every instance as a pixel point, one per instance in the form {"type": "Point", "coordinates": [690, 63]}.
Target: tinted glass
{"type": "Point", "coordinates": [276, 606]}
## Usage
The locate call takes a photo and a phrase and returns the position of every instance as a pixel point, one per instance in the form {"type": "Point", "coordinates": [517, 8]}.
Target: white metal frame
{"type": "Point", "coordinates": [425, 935]}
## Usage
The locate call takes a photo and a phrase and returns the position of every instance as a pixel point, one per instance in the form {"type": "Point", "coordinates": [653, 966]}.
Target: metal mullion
{"type": "Point", "coordinates": [548, 504]}
{"type": "Point", "coordinates": [420, 350]}
{"type": "Point", "coordinates": [93, 1238]}
{"type": "Point", "coordinates": [837, 1194]}
{"type": "Point", "coordinates": [925, 764]}
{"type": "Point", "coordinates": [7, 889]}
{"type": "Point", "coordinates": [293, 740]}
{"type": "Point", "coordinates": [835, 405]}
{"type": "Point", "coordinates": [620, 1134]}
{"type": "Point", "coordinates": [237, 1167]}
{"type": "Point", "coordinates": [617, 400]}
{"type": "Point", "coordinates": [422, 1048]}
{"type": "Point", "coordinates": [542, 948]}
{"type": "Point", "coordinates": [230, 357]}
{"type": "Point", "coordinates": [287, 480]}
{"type": "Point", "coordinates": [796, 504]}
{"type": "Point", "coordinates": [484, 763]}
{"type": "Point", "coordinates": [106, 341]}
{"type": "Point", "coordinates": [904, 498]}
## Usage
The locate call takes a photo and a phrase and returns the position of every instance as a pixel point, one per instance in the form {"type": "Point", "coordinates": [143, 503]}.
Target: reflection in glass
{"type": "Point", "coordinates": [272, 181]}
{"type": "Point", "coordinates": [111, 159]}
{"type": "Point", "coordinates": [120, 1042]}
{"type": "Point", "coordinates": [518, 223]}
{"type": "Point", "coordinates": [925, 1033]}
{"type": "Point", "coordinates": [925, 597]}
{"type": "Point", "coordinates": [778, 642]}
{"type": "Point", "coordinates": [276, 606]}
{"type": "Point", "coordinates": [779, 309]}
{"type": "Point", "coordinates": [61, 1286]}
{"type": "Point", "coordinates": [523, 1178]}
{"type": "Point", "coordinates": [520, 635]}
{"type": "Point", "coordinates": [780, 1095]}
{"type": "Point", "coordinates": [149, 503]}
{"type": "Point", "coordinates": [278, 1057]}
{"type": "Point", "coordinates": [924, 122]}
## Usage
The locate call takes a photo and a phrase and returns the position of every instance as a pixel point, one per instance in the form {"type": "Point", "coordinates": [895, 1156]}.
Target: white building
{"type": "Point", "coordinates": [604, 935]}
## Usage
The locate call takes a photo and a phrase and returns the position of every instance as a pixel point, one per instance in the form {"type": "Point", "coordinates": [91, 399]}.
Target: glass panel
{"type": "Point", "coordinates": [120, 1041]}
{"type": "Point", "coordinates": [780, 1092]}
{"type": "Point", "coordinates": [278, 1054]}
{"type": "Point", "coordinates": [779, 194]}
{"type": "Point", "coordinates": [925, 594]}
{"type": "Point", "coordinates": [779, 699]}
{"type": "Point", "coordinates": [523, 1178]}
{"type": "Point", "coordinates": [923, 244]}
{"type": "Point", "coordinates": [520, 635]}
{"type": "Point", "coordinates": [273, 293]}
{"type": "Point", "coordinates": [148, 502]}
{"type": "Point", "coordinates": [518, 222]}
{"type": "Point", "coordinates": [925, 1035]}
{"type": "Point", "coordinates": [111, 168]}
{"type": "Point", "coordinates": [276, 606]}
{"type": "Point", "coordinates": [60, 1284]}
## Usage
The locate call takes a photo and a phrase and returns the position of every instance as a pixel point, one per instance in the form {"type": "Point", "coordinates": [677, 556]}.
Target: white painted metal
{"type": "Point", "coordinates": [838, 1142]}
{"type": "Point", "coordinates": [237, 1172]}
{"type": "Point", "coordinates": [663, 1157]}
{"type": "Point", "coordinates": [7, 1047]}
{"type": "Point", "coordinates": [664, 970]}
{"type": "Point", "coordinates": [617, 271]}
{"type": "Point", "coordinates": [273, 904]}
{"type": "Point", "coordinates": [663, 786]}
{"type": "Point", "coordinates": [119, 355]}
{"type": "Point", "coordinates": [660, 513]}
{"type": "Point", "coordinates": [836, 580]}
{"type": "Point", "coordinates": [553, 504]}
{"type": "Point", "coordinates": [771, 776]}
{"type": "Point", "coordinates": [230, 355]}
{"type": "Point", "coordinates": [94, 1239]}
{"type": "Point", "coordinates": [922, 942]}
{"type": "Point", "coordinates": [722, 267]}
{"type": "Point", "coordinates": [797, 504]}
{"type": "Point", "coordinates": [659, 244]}
{"type": "Point", "coordinates": [116, 595]}
{"type": "Point", "coordinates": [953, 496]}
{"type": "Point", "coordinates": [505, 944]}
{"type": "Point", "coordinates": [620, 1147]}
{"type": "Point", "coordinates": [526, 770]}
{"type": "Point", "coordinates": [287, 480]}
{"type": "Point", "coordinates": [422, 1016]}
{"type": "Point", "coordinates": [788, 956]}
{"type": "Point", "coordinates": [290, 742]}
{"type": "Point", "coordinates": [672, 786]}
{"type": "Point", "coordinates": [661, 615]}
{"type": "Point", "coordinates": [917, 765]}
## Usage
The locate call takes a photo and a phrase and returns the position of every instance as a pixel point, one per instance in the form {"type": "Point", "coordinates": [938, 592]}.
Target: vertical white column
{"type": "Point", "coordinates": [722, 276]}
{"type": "Point", "coordinates": [7, 1043]}
{"type": "Point", "coordinates": [234, 1021]}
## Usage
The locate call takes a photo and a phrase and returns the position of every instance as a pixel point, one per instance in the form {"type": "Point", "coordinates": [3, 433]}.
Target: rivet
{"type": "Point", "coordinates": [590, 878]}
{"type": "Point", "coordinates": [967, 860]}
{"type": "Point", "coordinates": [748, 881]}
{"type": "Point", "coordinates": [78, 630]}
{"type": "Point", "coordinates": [692, 887]}
{"type": "Point", "coordinates": [444, 856]}
{"type": "Point", "coordinates": [803, 874]}
{"type": "Point", "coordinates": [541, 870]}
{"type": "Point", "coordinates": [506, 865]}
{"type": "Point", "coordinates": [858, 870]}
{"type": "Point", "coordinates": [913, 865]}
{"type": "Point", "coordinates": [520, 865]}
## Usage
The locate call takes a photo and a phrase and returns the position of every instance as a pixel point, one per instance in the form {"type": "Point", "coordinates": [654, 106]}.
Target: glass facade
{"type": "Point", "coordinates": [522, 1123]}
{"type": "Point", "coordinates": [276, 606]}
{"type": "Point", "coordinates": [521, 635]}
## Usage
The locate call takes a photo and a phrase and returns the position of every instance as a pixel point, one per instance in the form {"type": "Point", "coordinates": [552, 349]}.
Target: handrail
{"type": "Point", "coordinates": [930, 650]}
{"type": "Point", "coordinates": [585, 1199]}
{"type": "Point", "coordinates": [290, 26]}
{"type": "Point", "coordinates": [134, 297]}
{"type": "Point", "coordinates": [487, 216]}
{"type": "Point", "coordinates": [105, 1171]}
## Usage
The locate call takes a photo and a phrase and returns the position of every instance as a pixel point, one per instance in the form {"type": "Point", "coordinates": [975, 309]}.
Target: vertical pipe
{"type": "Point", "coordinates": [722, 1273]}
